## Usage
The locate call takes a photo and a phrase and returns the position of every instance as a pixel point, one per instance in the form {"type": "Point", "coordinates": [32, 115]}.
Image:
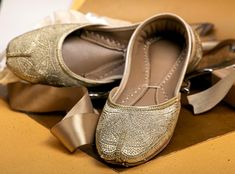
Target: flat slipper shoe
{"type": "Point", "coordinates": [74, 54]}
{"type": "Point", "coordinates": [70, 54]}
{"type": "Point", "coordinates": [139, 117]}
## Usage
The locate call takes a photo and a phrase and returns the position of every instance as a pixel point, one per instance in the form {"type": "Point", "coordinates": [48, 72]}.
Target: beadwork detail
{"type": "Point", "coordinates": [34, 56]}
{"type": "Point", "coordinates": [129, 134]}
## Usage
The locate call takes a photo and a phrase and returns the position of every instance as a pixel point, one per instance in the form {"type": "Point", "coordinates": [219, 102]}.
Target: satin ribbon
{"type": "Point", "coordinates": [77, 128]}
{"type": "Point", "coordinates": [209, 98]}
{"type": "Point", "coordinates": [42, 98]}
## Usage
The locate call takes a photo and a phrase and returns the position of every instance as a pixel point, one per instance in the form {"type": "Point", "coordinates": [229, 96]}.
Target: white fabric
{"type": "Point", "coordinates": [19, 16]}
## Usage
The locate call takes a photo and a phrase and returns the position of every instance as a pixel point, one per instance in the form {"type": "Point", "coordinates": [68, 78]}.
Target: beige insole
{"type": "Point", "coordinates": [91, 60]}
{"type": "Point", "coordinates": [164, 66]}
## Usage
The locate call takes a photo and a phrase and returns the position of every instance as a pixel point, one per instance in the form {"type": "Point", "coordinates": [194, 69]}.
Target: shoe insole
{"type": "Point", "coordinates": [161, 62]}
{"type": "Point", "coordinates": [91, 60]}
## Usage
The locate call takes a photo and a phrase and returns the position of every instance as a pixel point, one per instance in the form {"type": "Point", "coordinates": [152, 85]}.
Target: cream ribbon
{"type": "Point", "coordinates": [77, 128]}
{"type": "Point", "coordinates": [43, 98]}
{"type": "Point", "coordinates": [209, 98]}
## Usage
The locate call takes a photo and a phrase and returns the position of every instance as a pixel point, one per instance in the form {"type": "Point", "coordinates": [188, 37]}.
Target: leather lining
{"type": "Point", "coordinates": [108, 46]}
{"type": "Point", "coordinates": [160, 45]}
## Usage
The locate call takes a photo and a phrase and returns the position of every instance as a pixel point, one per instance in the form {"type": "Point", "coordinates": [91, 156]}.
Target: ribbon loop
{"type": "Point", "coordinates": [207, 99]}
{"type": "Point", "coordinates": [76, 130]}
{"type": "Point", "coordinates": [42, 98]}
{"type": "Point", "coordinates": [78, 127]}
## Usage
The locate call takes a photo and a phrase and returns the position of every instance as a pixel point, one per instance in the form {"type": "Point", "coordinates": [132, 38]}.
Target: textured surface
{"type": "Point", "coordinates": [36, 56]}
{"type": "Point", "coordinates": [130, 134]}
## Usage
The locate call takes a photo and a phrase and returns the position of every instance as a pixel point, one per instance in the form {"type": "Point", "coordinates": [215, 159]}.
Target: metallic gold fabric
{"type": "Point", "coordinates": [132, 134]}
{"type": "Point", "coordinates": [36, 56]}
{"type": "Point", "coordinates": [129, 134]}
{"type": "Point", "coordinates": [197, 50]}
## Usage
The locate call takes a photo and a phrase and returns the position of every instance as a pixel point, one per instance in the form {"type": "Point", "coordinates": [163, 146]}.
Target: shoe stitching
{"type": "Point", "coordinates": [170, 74]}
{"type": "Point", "coordinates": [107, 39]}
{"type": "Point", "coordinates": [146, 69]}
{"type": "Point", "coordinates": [166, 78]}
{"type": "Point", "coordinates": [110, 72]}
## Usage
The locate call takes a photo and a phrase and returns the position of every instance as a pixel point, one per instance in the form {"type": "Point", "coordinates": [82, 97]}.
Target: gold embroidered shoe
{"type": "Point", "coordinates": [74, 54]}
{"type": "Point", "coordinates": [70, 54]}
{"type": "Point", "coordinates": [140, 116]}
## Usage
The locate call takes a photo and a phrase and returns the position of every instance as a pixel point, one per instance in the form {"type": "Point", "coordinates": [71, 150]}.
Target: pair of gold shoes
{"type": "Point", "coordinates": [139, 117]}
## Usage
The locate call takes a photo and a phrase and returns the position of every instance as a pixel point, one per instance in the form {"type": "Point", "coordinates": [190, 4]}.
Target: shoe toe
{"type": "Point", "coordinates": [36, 56]}
{"type": "Point", "coordinates": [20, 57]}
{"type": "Point", "coordinates": [129, 137]}
{"type": "Point", "coordinates": [123, 149]}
